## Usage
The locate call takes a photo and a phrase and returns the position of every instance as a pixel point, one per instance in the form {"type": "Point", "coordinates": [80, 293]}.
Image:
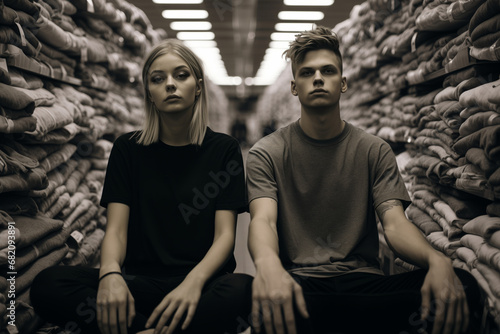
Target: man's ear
{"type": "Point", "coordinates": [343, 89]}
{"type": "Point", "coordinates": [293, 88]}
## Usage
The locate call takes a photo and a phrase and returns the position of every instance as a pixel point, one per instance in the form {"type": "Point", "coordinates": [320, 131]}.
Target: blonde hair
{"type": "Point", "coordinates": [150, 132]}
{"type": "Point", "coordinates": [315, 39]}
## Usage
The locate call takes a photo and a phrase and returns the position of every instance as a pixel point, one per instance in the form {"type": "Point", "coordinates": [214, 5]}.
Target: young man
{"type": "Point", "coordinates": [314, 188]}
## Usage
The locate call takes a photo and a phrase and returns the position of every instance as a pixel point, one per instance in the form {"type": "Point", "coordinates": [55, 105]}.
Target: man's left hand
{"type": "Point", "coordinates": [443, 298]}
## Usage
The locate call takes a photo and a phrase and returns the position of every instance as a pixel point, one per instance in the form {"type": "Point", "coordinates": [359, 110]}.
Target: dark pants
{"type": "Point", "coordinates": [66, 296]}
{"type": "Point", "coordinates": [369, 303]}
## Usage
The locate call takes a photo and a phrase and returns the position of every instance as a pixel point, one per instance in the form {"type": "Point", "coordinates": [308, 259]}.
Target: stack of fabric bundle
{"type": "Point", "coordinates": [68, 88]}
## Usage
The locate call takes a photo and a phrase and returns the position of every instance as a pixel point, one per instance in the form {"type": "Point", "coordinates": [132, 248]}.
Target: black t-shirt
{"type": "Point", "coordinates": [173, 193]}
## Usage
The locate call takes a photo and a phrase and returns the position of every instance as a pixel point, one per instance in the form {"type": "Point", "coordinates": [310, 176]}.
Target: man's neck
{"type": "Point", "coordinates": [321, 126]}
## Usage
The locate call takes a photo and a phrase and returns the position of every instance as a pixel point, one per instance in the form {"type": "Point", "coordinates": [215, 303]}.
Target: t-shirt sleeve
{"type": "Point", "coordinates": [233, 195]}
{"type": "Point", "coordinates": [388, 183]}
{"type": "Point", "coordinates": [117, 186]}
{"type": "Point", "coordinates": [261, 181]}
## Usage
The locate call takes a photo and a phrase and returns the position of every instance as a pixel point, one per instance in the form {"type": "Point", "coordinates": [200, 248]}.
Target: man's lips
{"type": "Point", "coordinates": [317, 91]}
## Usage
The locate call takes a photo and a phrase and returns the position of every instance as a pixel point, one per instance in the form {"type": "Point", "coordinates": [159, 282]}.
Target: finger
{"type": "Point", "coordinates": [426, 302]}
{"type": "Point", "coordinates": [176, 319]}
{"type": "Point", "coordinates": [190, 315]}
{"type": "Point", "coordinates": [113, 319]}
{"type": "Point", "coordinates": [300, 301]}
{"type": "Point", "coordinates": [105, 319]}
{"type": "Point", "coordinates": [267, 317]}
{"type": "Point", "coordinates": [439, 317]}
{"type": "Point", "coordinates": [156, 312]}
{"type": "Point", "coordinates": [278, 319]}
{"type": "Point", "coordinates": [100, 316]}
{"type": "Point", "coordinates": [256, 320]}
{"type": "Point", "coordinates": [131, 309]}
{"type": "Point", "coordinates": [289, 318]}
{"type": "Point", "coordinates": [167, 314]}
{"type": "Point", "coordinates": [466, 314]}
{"type": "Point", "coordinates": [457, 328]}
{"type": "Point", "coordinates": [122, 318]}
{"type": "Point", "coordinates": [450, 314]}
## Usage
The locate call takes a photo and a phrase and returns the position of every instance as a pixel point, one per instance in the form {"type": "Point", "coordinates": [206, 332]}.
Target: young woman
{"type": "Point", "coordinates": [172, 192]}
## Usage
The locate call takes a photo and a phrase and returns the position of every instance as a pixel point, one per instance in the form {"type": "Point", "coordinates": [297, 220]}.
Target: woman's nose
{"type": "Point", "coordinates": [170, 84]}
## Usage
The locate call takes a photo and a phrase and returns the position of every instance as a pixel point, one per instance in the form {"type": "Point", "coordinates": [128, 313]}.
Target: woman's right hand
{"type": "Point", "coordinates": [115, 305]}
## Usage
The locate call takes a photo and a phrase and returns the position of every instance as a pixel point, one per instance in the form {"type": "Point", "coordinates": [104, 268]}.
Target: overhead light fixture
{"type": "Point", "coordinates": [283, 36]}
{"type": "Point", "coordinates": [212, 53]}
{"type": "Point", "coordinates": [293, 26]}
{"type": "Point", "coordinates": [184, 14]}
{"type": "Point", "coordinates": [301, 15]}
{"type": "Point", "coordinates": [201, 44]}
{"type": "Point", "coordinates": [190, 25]}
{"type": "Point", "coordinates": [308, 2]}
{"type": "Point", "coordinates": [178, 2]}
{"type": "Point", "coordinates": [279, 45]}
{"type": "Point", "coordinates": [197, 36]}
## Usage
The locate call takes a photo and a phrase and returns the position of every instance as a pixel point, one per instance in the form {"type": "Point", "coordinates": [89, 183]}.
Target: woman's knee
{"type": "Point", "coordinates": [239, 284]}
{"type": "Point", "coordinates": [52, 283]}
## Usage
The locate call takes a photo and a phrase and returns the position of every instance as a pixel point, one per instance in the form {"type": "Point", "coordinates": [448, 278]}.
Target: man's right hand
{"type": "Point", "coordinates": [115, 305]}
{"type": "Point", "coordinates": [273, 293]}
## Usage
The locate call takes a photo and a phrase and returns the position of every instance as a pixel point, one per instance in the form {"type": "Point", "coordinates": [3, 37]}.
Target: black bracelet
{"type": "Point", "coordinates": [109, 273]}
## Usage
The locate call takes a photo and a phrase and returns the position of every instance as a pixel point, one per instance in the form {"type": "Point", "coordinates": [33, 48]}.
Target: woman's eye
{"type": "Point", "coordinates": [156, 79]}
{"type": "Point", "coordinates": [182, 75]}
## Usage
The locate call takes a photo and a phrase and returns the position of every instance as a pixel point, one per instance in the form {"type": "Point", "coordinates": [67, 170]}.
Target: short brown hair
{"type": "Point", "coordinates": [315, 39]}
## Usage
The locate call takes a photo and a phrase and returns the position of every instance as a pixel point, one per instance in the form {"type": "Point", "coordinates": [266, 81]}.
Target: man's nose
{"type": "Point", "coordinates": [318, 78]}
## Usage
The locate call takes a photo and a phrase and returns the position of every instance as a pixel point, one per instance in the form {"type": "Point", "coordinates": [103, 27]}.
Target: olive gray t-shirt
{"type": "Point", "coordinates": [326, 191]}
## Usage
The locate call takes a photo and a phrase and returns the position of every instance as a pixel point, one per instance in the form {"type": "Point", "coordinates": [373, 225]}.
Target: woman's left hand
{"type": "Point", "coordinates": [183, 299]}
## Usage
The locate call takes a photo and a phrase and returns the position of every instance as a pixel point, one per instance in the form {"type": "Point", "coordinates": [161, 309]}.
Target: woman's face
{"type": "Point", "coordinates": [172, 86]}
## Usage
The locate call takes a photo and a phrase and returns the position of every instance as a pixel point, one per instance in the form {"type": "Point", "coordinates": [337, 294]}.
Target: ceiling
{"type": "Point", "coordinates": [243, 31]}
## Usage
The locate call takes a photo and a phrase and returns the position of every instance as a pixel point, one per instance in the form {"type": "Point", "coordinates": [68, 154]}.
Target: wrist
{"type": "Point", "coordinates": [109, 273]}
{"type": "Point", "coordinates": [268, 262]}
{"type": "Point", "coordinates": [439, 259]}
{"type": "Point", "coordinates": [196, 279]}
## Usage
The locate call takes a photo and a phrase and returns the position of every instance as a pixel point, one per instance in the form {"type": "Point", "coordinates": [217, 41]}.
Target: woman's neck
{"type": "Point", "coordinates": [174, 131]}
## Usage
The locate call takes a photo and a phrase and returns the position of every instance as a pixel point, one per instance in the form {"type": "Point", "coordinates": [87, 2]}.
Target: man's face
{"type": "Point", "coordinates": [318, 80]}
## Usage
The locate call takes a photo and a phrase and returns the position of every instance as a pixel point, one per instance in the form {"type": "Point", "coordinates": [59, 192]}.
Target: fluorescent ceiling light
{"type": "Point", "coordinates": [201, 44]}
{"type": "Point", "coordinates": [178, 2]}
{"type": "Point", "coordinates": [184, 14]}
{"type": "Point", "coordinates": [228, 81]}
{"type": "Point", "coordinates": [301, 15]}
{"type": "Point", "coordinates": [293, 26]}
{"type": "Point", "coordinates": [308, 2]}
{"type": "Point", "coordinates": [191, 25]}
{"type": "Point", "coordinates": [283, 36]}
{"type": "Point", "coordinates": [198, 36]}
{"type": "Point", "coordinates": [210, 55]}
{"type": "Point", "coordinates": [279, 45]}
